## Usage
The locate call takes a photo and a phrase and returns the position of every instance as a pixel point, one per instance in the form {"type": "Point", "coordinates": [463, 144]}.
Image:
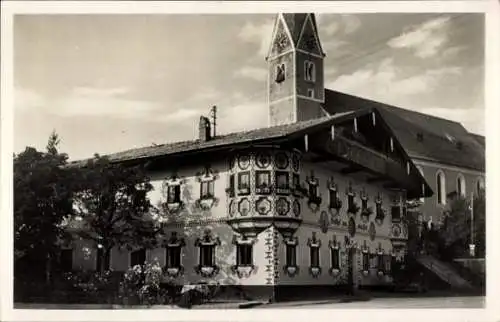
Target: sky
{"type": "Point", "coordinates": [107, 83]}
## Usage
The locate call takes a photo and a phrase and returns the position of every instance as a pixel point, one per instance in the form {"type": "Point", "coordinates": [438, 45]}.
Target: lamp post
{"type": "Point", "coordinates": [471, 245]}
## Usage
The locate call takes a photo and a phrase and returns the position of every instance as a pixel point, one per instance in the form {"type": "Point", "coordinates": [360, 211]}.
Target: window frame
{"type": "Point", "coordinates": [312, 77]}
{"type": "Point", "coordinates": [461, 185]}
{"type": "Point", "coordinates": [441, 187]}
{"type": "Point", "coordinates": [335, 253]}
{"type": "Point", "coordinates": [244, 190]}
{"type": "Point", "coordinates": [259, 188]}
{"type": "Point", "coordinates": [281, 66]}
{"type": "Point", "coordinates": [241, 260]}
{"type": "Point", "coordinates": [201, 256]}
{"type": "Point", "coordinates": [282, 190]}
{"type": "Point", "coordinates": [173, 193]}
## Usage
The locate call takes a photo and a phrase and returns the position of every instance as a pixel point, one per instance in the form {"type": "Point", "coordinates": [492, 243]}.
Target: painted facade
{"type": "Point", "coordinates": [317, 199]}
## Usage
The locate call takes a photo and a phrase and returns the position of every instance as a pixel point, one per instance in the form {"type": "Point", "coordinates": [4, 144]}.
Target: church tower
{"type": "Point", "coordinates": [295, 70]}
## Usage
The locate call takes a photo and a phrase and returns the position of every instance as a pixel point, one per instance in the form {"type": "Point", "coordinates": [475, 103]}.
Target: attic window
{"type": "Point", "coordinates": [420, 136]}
{"type": "Point", "coordinates": [280, 72]}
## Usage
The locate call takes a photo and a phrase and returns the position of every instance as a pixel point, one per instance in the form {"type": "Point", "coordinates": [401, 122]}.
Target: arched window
{"type": "Point", "coordinates": [480, 185]}
{"type": "Point", "coordinates": [421, 170]}
{"type": "Point", "coordinates": [461, 185]}
{"type": "Point", "coordinates": [441, 187]}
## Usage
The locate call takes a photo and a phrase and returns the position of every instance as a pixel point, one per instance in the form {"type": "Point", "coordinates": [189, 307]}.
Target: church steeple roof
{"type": "Point", "coordinates": [295, 23]}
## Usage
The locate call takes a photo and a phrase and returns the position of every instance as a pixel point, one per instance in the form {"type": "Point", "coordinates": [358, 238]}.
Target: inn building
{"type": "Point", "coordinates": [315, 200]}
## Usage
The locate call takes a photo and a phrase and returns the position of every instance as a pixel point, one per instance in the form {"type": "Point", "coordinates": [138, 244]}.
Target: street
{"type": "Point", "coordinates": [400, 303]}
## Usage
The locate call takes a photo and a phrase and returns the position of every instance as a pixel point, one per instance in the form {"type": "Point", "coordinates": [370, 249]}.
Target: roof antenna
{"type": "Point", "coordinates": [213, 115]}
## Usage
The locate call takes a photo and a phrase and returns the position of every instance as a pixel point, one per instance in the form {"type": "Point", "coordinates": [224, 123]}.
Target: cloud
{"type": "Point", "coordinates": [259, 34]}
{"type": "Point", "coordinates": [332, 24]}
{"type": "Point", "coordinates": [101, 92]}
{"type": "Point", "coordinates": [254, 73]}
{"type": "Point", "coordinates": [27, 100]}
{"type": "Point", "coordinates": [245, 116]}
{"type": "Point", "coordinates": [426, 39]}
{"type": "Point", "coordinates": [384, 80]}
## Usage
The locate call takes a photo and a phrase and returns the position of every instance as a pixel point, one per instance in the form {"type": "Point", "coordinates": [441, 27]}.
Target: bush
{"type": "Point", "coordinates": [142, 284]}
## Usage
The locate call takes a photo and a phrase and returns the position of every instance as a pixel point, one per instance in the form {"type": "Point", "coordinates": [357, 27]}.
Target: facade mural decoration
{"type": "Point", "coordinates": [334, 246]}
{"type": "Point", "coordinates": [244, 161]}
{"type": "Point", "coordinates": [314, 245]}
{"type": "Point", "coordinates": [282, 206]}
{"type": "Point", "coordinates": [396, 230]}
{"type": "Point", "coordinates": [366, 211]}
{"type": "Point", "coordinates": [380, 211]}
{"type": "Point", "coordinates": [259, 192]}
{"type": "Point", "coordinates": [207, 244]}
{"type": "Point", "coordinates": [207, 180]}
{"type": "Point", "coordinates": [244, 206]}
{"type": "Point", "coordinates": [172, 193]}
{"type": "Point", "coordinates": [173, 251]}
{"type": "Point", "coordinates": [291, 269]}
{"type": "Point", "coordinates": [263, 206]}
{"type": "Point", "coordinates": [335, 202]}
{"type": "Point", "coordinates": [314, 196]}
{"type": "Point", "coordinates": [263, 160]}
{"type": "Point", "coordinates": [296, 208]}
{"type": "Point", "coordinates": [244, 266]}
{"type": "Point", "coordinates": [324, 222]}
{"type": "Point", "coordinates": [281, 160]}
{"type": "Point", "coordinates": [352, 206]}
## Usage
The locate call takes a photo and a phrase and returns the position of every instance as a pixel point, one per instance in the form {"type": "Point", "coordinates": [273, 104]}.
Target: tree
{"type": "Point", "coordinates": [112, 201]}
{"type": "Point", "coordinates": [456, 231]}
{"type": "Point", "coordinates": [43, 192]}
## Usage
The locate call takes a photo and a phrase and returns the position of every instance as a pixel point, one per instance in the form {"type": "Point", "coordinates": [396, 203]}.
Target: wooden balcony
{"type": "Point", "coordinates": [354, 153]}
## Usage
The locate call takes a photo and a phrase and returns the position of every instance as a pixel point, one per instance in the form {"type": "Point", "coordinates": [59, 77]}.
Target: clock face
{"type": "Point", "coordinates": [310, 42]}
{"type": "Point", "coordinates": [282, 41]}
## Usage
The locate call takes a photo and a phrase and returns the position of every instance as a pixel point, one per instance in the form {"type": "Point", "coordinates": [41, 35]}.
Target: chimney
{"type": "Point", "coordinates": [204, 129]}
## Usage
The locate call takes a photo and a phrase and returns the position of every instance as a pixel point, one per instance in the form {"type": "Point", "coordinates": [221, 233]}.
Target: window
{"type": "Point", "coordinates": [138, 257]}
{"type": "Point", "coordinates": [263, 182]}
{"type": "Point", "coordinates": [244, 255]}
{"type": "Point", "coordinates": [309, 71]}
{"type": "Point", "coordinates": [364, 204]}
{"type": "Point", "coordinates": [282, 182]}
{"type": "Point", "coordinates": [461, 185]}
{"type": "Point", "coordinates": [314, 256]}
{"type": "Point", "coordinates": [441, 188]}
{"type": "Point", "coordinates": [231, 186]}
{"type": "Point", "coordinates": [207, 189]}
{"type": "Point", "coordinates": [291, 255]}
{"type": "Point", "coordinates": [173, 256]}
{"type": "Point", "coordinates": [207, 255]}
{"type": "Point", "coordinates": [66, 260]}
{"type": "Point", "coordinates": [380, 262]}
{"type": "Point", "coordinates": [480, 185]}
{"type": "Point", "coordinates": [310, 92]}
{"type": "Point", "coordinates": [396, 212]}
{"type": "Point", "coordinates": [335, 253]}
{"type": "Point", "coordinates": [102, 259]}
{"type": "Point", "coordinates": [313, 190]}
{"type": "Point", "coordinates": [366, 261]}
{"type": "Point", "coordinates": [174, 194]}
{"type": "Point", "coordinates": [350, 202]}
{"type": "Point", "coordinates": [244, 183]}
{"type": "Point", "coordinates": [280, 72]}
{"type": "Point", "coordinates": [334, 202]}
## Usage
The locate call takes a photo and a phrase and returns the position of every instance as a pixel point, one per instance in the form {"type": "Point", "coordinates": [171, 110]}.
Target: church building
{"type": "Point", "coordinates": [314, 201]}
